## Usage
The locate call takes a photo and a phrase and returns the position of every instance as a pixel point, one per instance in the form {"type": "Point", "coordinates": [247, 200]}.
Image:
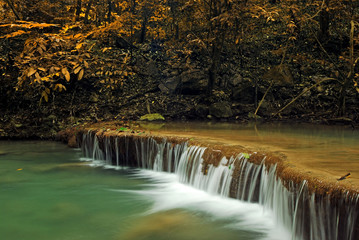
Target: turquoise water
{"type": "Point", "coordinates": [48, 192]}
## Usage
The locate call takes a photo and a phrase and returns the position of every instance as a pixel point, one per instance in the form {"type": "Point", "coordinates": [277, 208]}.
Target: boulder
{"type": "Point", "coordinates": [235, 80]}
{"type": "Point", "coordinates": [170, 85]}
{"type": "Point", "coordinates": [151, 69]}
{"type": "Point", "coordinates": [201, 110]}
{"type": "Point", "coordinates": [281, 75]}
{"type": "Point", "coordinates": [193, 82]}
{"type": "Point", "coordinates": [221, 110]}
{"type": "Point", "coordinates": [147, 67]}
{"type": "Point", "coordinates": [244, 93]}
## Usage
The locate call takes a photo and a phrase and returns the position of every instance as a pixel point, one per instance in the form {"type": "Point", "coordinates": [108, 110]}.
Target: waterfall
{"type": "Point", "coordinates": [307, 215]}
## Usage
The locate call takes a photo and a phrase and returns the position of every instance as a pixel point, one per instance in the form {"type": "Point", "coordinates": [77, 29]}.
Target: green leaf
{"type": "Point", "coordinates": [245, 155]}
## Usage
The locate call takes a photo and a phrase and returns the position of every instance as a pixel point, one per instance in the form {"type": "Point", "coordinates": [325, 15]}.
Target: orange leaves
{"type": "Point", "coordinates": [66, 74]}
{"type": "Point", "coordinates": [78, 46]}
{"type": "Point", "coordinates": [14, 34]}
{"type": "Point", "coordinates": [29, 25]}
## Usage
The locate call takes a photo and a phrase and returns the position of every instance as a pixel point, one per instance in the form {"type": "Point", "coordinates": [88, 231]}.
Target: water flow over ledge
{"type": "Point", "coordinates": [307, 214]}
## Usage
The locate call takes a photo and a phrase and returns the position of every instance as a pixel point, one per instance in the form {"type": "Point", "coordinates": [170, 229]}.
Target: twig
{"type": "Point", "coordinates": [265, 94]}
{"type": "Point", "coordinates": [303, 92]}
{"type": "Point", "coordinates": [330, 59]}
{"type": "Point", "coordinates": [13, 9]}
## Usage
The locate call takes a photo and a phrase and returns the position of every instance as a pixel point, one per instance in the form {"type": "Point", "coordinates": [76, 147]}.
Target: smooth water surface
{"type": "Point", "coordinates": [48, 192]}
{"type": "Point", "coordinates": [327, 150]}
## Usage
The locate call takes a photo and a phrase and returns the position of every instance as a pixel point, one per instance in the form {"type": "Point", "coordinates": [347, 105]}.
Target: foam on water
{"type": "Point", "coordinates": [263, 202]}
{"type": "Point", "coordinates": [167, 193]}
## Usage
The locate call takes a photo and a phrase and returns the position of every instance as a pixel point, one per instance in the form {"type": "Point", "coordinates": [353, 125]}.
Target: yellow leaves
{"type": "Point", "coordinates": [356, 86]}
{"type": "Point", "coordinates": [79, 35]}
{"type": "Point", "coordinates": [37, 76]}
{"type": "Point", "coordinates": [45, 94]}
{"type": "Point", "coordinates": [65, 29]}
{"type": "Point", "coordinates": [60, 87]}
{"type": "Point", "coordinates": [126, 59]}
{"type": "Point", "coordinates": [291, 26]}
{"type": "Point", "coordinates": [77, 69]}
{"type": "Point", "coordinates": [31, 72]}
{"type": "Point", "coordinates": [78, 46]}
{"type": "Point", "coordinates": [46, 79]}
{"type": "Point", "coordinates": [81, 74]}
{"type": "Point", "coordinates": [105, 49]}
{"type": "Point", "coordinates": [66, 74]}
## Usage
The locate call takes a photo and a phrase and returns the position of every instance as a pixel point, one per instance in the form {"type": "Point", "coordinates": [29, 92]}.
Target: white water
{"type": "Point", "coordinates": [168, 193]}
{"type": "Point", "coordinates": [277, 212]}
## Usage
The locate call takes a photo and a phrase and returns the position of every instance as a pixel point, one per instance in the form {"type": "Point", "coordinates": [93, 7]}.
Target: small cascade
{"type": "Point", "coordinates": [307, 215]}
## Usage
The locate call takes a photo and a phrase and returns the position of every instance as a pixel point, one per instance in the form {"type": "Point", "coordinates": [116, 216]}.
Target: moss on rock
{"type": "Point", "coordinates": [152, 117]}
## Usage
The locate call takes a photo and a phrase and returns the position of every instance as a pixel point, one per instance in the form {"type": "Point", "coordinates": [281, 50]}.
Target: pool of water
{"type": "Point", "coordinates": [327, 151]}
{"type": "Point", "coordinates": [47, 191]}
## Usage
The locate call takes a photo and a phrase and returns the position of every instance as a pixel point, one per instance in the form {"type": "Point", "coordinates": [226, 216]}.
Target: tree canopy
{"type": "Point", "coordinates": [50, 47]}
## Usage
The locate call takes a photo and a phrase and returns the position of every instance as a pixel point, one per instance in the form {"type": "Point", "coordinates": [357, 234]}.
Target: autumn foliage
{"type": "Point", "coordinates": [64, 42]}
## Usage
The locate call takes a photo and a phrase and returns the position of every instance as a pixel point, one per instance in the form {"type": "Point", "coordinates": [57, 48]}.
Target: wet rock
{"type": "Point", "coordinates": [201, 110]}
{"type": "Point", "coordinates": [244, 93]}
{"type": "Point", "coordinates": [281, 75]}
{"type": "Point", "coordinates": [72, 143]}
{"type": "Point", "coordinates": [193, 82]}
{"type": "Point", "coordinates": [221, 110]}
{"type": "Point", "coordinates": [147, 67]}
{"type": "Point", "coordinates": [235, 80]}
{"type": "Point", "coordinates": [152, 69]}
{"type": "Point", "coordinates": [170, 85]}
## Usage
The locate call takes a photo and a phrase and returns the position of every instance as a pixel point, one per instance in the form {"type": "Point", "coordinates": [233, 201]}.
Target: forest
{"type": "Point", "coordinates": [64, 63]}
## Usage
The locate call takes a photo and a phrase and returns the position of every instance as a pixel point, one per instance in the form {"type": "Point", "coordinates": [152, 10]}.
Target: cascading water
{"type": "Point", "coordinates": [308, 216]}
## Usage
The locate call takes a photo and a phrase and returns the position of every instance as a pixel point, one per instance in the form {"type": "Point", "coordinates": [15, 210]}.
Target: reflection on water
{"type": "Point", "coordinates": [47, 193]}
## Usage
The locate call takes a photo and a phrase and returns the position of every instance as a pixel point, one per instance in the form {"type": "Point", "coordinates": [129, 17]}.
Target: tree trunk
{"type": "Point", "coordinates": [350, 76]}
{"type": "Point", "coordinates": [88, 8]}
{"type": "Point", "coordinates": [78, 9]}
{"type": "Point", "coordinates": [213, 69]}
{"type": "Point", "coordinates": [174, 12]}
{"type": "Point", "coordinates": [109, 2]}
{"type": "Point", "coordinates": [324, 20]}
{"type": "Point", "coordinates": [143, 29]}
{"type": "Point", "coordinates": [13, 9]}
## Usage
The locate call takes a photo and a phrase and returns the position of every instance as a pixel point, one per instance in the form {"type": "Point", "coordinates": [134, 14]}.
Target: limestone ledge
{"type": "Point", "coordinates": [289, 173]}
